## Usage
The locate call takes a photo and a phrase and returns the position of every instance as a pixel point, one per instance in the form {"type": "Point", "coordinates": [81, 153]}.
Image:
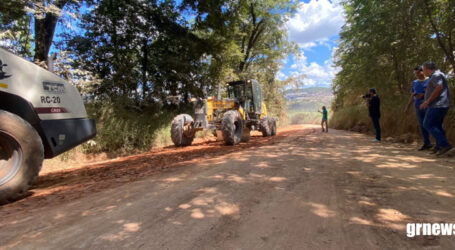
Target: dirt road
{"type": "Point", "coordinates": [300, 190]}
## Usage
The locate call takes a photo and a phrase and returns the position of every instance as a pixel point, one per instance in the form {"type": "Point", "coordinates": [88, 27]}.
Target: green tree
{"type": "Point", "coordinates": [11, 11]}
{"type": "Point", "coordinates": [17, 36]}
{"type": "Point", "coordinates": [246, 31]}
{"type": "Point", "coordinates": [441, 16]}
{"type": "Point", "coordinates": [141, 51]}
{"type": "Point", "coordinates": [16, 18]}
{"type": "Point", "coordinates": [249, 40]}
{"type": "Point", "coordinates": [46, 15]}
{"type": "Point", "coordinates": [380, 45]}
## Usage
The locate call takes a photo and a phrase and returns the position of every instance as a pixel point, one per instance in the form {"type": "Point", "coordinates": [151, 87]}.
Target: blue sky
{"type": "Point", "coordinates": [315, 29]}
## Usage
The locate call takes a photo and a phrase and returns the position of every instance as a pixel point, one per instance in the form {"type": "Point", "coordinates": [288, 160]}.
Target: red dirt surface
{"type": "Point", "coordinates": [64, 185]}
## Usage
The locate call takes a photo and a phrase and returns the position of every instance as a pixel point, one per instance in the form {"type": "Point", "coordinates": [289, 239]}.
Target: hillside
{"type": "Point", "coordinates": [308, 99]}
{"type": "Point", "coordinates": [304, 103]}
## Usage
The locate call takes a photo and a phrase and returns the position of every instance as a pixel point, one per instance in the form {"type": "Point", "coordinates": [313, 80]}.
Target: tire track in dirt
{"type": "Point", "coordinates": [319, 191]}
{"type": "Point", "coordinates": [62, 186]}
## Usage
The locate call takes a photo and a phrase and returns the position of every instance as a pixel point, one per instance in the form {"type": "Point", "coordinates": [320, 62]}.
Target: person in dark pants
{"type": "Point", "coordinates": [437, 103]}
{"type": "Point", "coordinates": [418, 97]}
{"type": "Point", "coordinates": [375, 113]}
{"type": "Point", "coordinates": [324, 119]}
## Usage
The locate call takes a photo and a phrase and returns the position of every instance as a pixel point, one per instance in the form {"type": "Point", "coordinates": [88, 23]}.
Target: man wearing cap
{"type": "Point", "coordinates": [374, 112]}
{"type": "Point", "coordinates": [437, 104]}
{"type": "Point", "coordinates": [418, 97]}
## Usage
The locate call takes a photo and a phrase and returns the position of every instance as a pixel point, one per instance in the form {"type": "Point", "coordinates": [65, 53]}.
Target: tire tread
{"type": "Point", "coordinates": [33, 156]}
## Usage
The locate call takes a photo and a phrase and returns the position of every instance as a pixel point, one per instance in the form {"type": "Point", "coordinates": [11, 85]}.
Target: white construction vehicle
{"type": "Point", "coordinates": [41, 116]}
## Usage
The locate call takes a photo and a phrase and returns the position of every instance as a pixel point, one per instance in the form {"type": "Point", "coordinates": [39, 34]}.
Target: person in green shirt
{"type": "Point", "coordinates": [324, 119]}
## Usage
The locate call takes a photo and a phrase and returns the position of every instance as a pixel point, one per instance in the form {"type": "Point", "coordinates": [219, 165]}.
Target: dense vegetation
{"type": "Point", "coordinates": [380, 45]}
{"type": "Point", "coordinates": [137, 62]}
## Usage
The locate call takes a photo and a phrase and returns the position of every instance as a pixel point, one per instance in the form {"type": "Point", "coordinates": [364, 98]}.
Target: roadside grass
{"type": "Point", "coordinates": [347, 117]}
{"type": "Point", "coordinates": [162, 137]}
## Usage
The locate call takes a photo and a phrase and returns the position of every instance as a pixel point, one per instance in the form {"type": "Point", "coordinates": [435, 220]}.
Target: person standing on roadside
{"type": "Point", "coordinates": [418, 97]}
{"type": "Point", "coordinates": [437, 103]}
{"type": "Point", "coordinates": [324, 119]}
{"type": "Point", "coordinates": [374, 112]}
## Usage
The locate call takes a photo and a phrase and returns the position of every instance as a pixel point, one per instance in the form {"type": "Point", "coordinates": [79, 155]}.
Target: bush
{"type": "Point", "coordinates": [348, 117]}
{"type": "Point", "coordinates": [162, 137]}
{"type": "Point", "coordinates": [126, 128]}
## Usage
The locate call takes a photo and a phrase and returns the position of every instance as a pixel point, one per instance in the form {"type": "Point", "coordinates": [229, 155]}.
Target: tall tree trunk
{"type": "Point", "coordinates": [258, 28]}
{"type": "Point", "coordinates": [44, 32]}
{"type": "Point", "coordinates": [144, 67]}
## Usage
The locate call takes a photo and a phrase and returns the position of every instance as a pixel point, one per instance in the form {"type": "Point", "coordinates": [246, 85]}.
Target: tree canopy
{"type": "Point", "coordinates": [382, 41]}
{"type": "Point", "coordinates": [137, 61]}
{"type": "Point", "coordinates": [380, 45]}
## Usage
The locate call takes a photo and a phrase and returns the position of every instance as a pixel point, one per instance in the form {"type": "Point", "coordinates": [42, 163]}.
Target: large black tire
{"type": "Point", "coordinates": [21, 156]}
{"type": "Point", "coordinates": [266, 126]}
{"type": "Point", "coordinates": [232, 126]}
{"type": "Point", "coordinates": [273, 130]}
{"type": "Point", "coordinates": [179, 138]}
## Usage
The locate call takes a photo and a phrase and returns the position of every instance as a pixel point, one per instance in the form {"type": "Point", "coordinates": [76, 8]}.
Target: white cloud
{"type": "Point", "coordinates": [308, 45]}
{"type": "Point", "coordinates": [280, 76]}
{"type": "Point", "coordinates": [316, 74]}
{"type": "Point", "coordinates": [310, 82]}
{"type": "Point", "coordinates": [315, 22]}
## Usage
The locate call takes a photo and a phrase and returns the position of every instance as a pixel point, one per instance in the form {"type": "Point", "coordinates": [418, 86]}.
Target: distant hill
{"type": "Point", "coordinates": [308, 99]}
{"type": "Point", "coordinates": [293, 94]}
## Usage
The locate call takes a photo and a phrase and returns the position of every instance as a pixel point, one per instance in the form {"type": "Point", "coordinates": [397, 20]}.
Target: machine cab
{"type": "Point", "coordinates": [248, 94]}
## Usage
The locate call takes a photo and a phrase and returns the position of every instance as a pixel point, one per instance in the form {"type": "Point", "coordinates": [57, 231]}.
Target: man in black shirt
{"type": "Point", "coordinates": [375, 113]}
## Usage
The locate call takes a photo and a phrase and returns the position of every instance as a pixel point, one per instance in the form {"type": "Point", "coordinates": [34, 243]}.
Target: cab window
{"type": "Point", "coordinates": [249, 91]}
{"type": "Point", "coordinates": [236, 91]}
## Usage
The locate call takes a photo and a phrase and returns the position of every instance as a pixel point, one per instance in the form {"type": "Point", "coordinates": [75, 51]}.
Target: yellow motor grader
{"type": "Point", "coordinates": [231, 119]}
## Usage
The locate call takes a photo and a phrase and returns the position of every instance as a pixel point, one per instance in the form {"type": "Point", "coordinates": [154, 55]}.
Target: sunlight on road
{"type": "Point", "coordinates": [126, 231]}
{"type": "Point", "coordinates": [321, 210]}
